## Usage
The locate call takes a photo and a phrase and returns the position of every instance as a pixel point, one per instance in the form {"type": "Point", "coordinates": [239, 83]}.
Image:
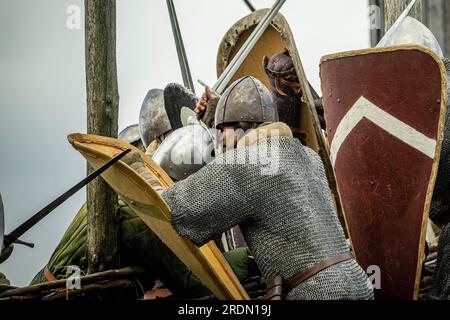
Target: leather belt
{"type": "Point", "coordinates": [277, 288]}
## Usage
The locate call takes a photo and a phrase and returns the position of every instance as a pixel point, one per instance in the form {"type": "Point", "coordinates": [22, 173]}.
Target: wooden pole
{"type": "Point", "coordinates": [394, 8]}
{"type": "Point", "coordinates": [437, 13]}
{"type": "Point", "coordinates": [102, 115]}
{"type": "Point", "coordinates": [39, 289]}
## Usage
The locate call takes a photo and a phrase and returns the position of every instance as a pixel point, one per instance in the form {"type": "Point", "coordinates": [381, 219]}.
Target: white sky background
{"type": "Point", "coordinates": [43, 99]}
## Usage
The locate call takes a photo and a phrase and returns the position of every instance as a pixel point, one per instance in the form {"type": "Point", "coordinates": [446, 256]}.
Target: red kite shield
{"type": "Point", "coordinates": [385, 110]}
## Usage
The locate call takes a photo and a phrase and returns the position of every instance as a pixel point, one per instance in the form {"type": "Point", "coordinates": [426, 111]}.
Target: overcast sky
{"type": "Point", "coordinates": [43, 99]}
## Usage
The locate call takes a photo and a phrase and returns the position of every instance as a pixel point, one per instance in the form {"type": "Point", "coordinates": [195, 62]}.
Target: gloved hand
{"type": "Point", "coordinates": [207, 104]}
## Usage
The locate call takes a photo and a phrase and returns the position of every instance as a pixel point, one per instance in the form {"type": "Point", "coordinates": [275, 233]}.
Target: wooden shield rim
{"type": "Point", "coordinates": [84, 143]}
{"type": "Point", "coordinates": [280, 24]}
{"type": "Point", "coordinates": [81, 142]}
{"type": "Point", "coordinates": [435, 167]}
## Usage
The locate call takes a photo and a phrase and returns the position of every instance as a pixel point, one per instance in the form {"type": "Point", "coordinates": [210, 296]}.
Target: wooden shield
{"type": "Point", "coordinates": [385, 110]}
{"type": "Point", "coordinates": [274, 40]}
{"type": "Point", "coordinates": [206, 262]}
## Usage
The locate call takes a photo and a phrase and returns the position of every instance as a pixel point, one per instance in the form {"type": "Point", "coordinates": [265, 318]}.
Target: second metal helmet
{"type": "Point", "coordinates": [153, 119]}
{"type": "Point", "coordinates": [185, 151]}
{"type": "Point", "coordinates": [132, 136]}
{"type": "Point", "coordinates": [246, 100]}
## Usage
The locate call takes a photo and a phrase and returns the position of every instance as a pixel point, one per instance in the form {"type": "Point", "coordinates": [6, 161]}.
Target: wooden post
{"type": "Point", "coordinates": [394, 8]}
{"type": "Point", "coordinates": [437, 13]}
{"type": "Point", "coordinates": [102, 115]}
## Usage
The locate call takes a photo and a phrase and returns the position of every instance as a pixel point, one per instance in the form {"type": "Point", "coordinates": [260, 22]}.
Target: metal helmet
{"type": "Point", "coordinates": [246, 100]}
{"type": "Point", "coordinates": [185, 151]}
{"type": "Point", "coordinates": [132, 136]}
{"type": "Point", "coordinates": [153, 120]}
{"type": "Point", "coordinates": [175, 98]}
{"type": "Point", "coordinates": [411, 31]}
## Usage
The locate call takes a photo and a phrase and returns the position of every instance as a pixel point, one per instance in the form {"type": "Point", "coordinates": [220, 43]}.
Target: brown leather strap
{"type": "Point", "coordinates": [48, 275]}
{"type": "Point", "coordinates": [275, 288]}
{"type": "Point", "coordinates": [317, 268]}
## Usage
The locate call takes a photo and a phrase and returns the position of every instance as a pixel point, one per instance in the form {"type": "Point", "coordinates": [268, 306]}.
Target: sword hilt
{"type": "Point", "coordinates": [8, 241]}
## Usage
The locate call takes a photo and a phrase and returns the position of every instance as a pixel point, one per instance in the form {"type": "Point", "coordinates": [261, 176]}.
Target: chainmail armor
{"type": "Point", "coordinates": [286, 215]}
{"type": "Point", "coordinates": [439, 203]}
{"type": "Point", "coordinates": [440, 288]}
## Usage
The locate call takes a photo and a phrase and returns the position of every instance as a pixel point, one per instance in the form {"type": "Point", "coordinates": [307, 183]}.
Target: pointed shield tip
{"type": "Point", "coordinates": [72, 137]}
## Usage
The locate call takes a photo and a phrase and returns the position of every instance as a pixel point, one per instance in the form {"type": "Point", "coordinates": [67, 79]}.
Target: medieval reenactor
{"type": "Point", "coordinates": [287, 92]}
{"type": "Point", "coordinates": [139, 245]}
{"type": "Point", "coordinates": [286, 213]}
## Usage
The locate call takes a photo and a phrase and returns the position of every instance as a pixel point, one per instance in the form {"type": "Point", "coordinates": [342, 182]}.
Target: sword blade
{"type": "Point", "coordinates": [182, 57]}
{"type": "Point", "coordinates": [2, 224]}
{"type": "Point", "coordinates": [27, 225]}
{"type": "Point", "coordinates": [242, 54]}
{"type": "Point", "coordinates": [249, 5]}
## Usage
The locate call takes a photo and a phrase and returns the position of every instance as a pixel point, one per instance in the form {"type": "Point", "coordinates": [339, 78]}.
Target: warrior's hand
{"type": "Point", "coordinates": [202, 104]}
{"type": "Point", "coordinates": [207, 106]}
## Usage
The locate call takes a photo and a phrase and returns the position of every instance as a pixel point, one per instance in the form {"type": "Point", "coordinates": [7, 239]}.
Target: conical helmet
{"type": "Point", "coordinates": [246, 100]}
{"type": "Point", "coordinates": [412, 31]}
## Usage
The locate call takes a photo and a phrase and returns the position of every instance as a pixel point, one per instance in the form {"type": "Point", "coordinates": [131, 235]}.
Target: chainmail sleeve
{"type": "Point", "coordinates": [209, 202]}
{"type": "Point", "coordinates": [278, 193]}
